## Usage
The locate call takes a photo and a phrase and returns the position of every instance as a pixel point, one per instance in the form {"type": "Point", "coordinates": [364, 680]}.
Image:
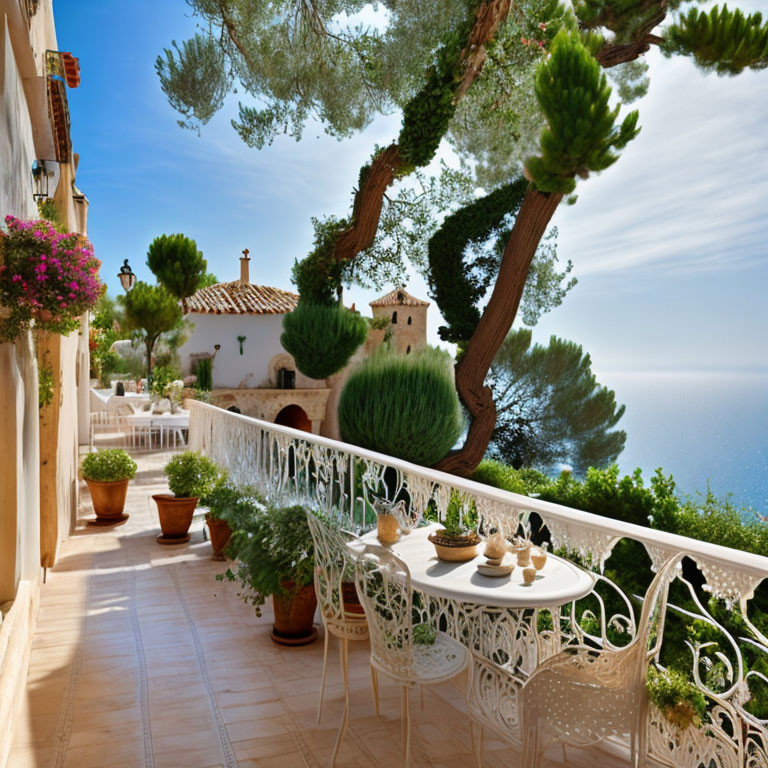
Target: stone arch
{"type": "Point", "coordinates": [294, 416]}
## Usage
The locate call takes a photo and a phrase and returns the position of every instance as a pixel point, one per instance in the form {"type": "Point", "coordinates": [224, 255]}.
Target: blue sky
{"type": "Point", "coordinates": [668, 245]}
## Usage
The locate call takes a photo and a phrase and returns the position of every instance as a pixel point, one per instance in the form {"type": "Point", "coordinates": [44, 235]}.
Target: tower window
{"type": "Point", "coordinates": [394, 318]}
{"type": "Point", "coordinates": [410, 319]}
{"type": "Point", "coordinates": [408, 351]}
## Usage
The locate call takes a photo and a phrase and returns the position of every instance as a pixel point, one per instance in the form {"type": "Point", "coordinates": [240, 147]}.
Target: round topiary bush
{"type": "Point", "coordinates": [191, 475]}
{"type": "Point", "coordinates": [404, 406]}
{"type": "Point", "coordinates": [109, 466]}
{"type": "Point", "coordinates": [322, 338]}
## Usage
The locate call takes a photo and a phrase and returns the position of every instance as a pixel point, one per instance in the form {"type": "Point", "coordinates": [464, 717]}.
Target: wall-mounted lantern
{"type": "Point", "coordinates": [41, 175]}
{"type": "Point", "coordinates": [127, 278]}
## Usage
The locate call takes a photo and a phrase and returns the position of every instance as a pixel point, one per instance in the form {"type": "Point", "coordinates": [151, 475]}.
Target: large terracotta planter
{"type": "Point", "coordinates": [175, 517]}
{"type": "Point", "coordinates": [295, 616]}
{"type": "Point", "coordinates": [108, 501]}
{"type": "Point", "coordinates": [220, 534]}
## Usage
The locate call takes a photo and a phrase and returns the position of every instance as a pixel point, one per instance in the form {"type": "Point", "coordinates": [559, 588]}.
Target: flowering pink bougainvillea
{"type": "Point", "coordinates": [47, 278]}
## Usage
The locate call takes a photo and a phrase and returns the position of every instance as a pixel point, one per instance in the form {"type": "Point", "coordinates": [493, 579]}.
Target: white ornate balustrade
{"type": "Point", "coordinates": [727, 666]}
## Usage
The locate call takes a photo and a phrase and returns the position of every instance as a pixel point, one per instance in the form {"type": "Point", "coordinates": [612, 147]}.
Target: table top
{"type": "Point", "coordinates": [172, 418]}
{"type": "Point", "coordinates": [558, 583]}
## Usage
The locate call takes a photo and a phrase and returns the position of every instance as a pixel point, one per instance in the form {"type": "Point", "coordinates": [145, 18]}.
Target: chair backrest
{"type": "Point", "coordinates": [333, 566]}
{"type": "Point", "coordinates": [384, 588]}
{"type": "Point", "coordinates": [650, 629]}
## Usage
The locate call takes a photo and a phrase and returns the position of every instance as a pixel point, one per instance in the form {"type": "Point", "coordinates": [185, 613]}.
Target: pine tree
{"type": "Point", "coordinates": [177, 264]}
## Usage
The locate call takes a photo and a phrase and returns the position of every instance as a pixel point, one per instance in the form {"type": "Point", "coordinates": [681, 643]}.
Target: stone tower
{"type": "Point", "coordinates": [407, 316]}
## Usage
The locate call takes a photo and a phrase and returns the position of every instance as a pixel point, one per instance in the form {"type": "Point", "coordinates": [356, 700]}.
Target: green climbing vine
{"type": "Point", "coordinates": [457, 284]}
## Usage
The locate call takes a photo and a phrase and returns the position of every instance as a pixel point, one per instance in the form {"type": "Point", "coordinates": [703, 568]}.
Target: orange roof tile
{"type": "Point", "coordinates": [236, 298]}
{"type": "Point", "coordinates": [399, 298]}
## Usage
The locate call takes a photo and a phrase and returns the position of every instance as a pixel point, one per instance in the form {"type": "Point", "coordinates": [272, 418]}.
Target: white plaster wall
{"type": "Point", "coordinates": [17, 152]}
{"type": "Point", "coordinates": [230, 368]}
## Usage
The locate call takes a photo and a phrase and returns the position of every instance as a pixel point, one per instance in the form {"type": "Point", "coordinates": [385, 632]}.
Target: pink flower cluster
{"type": "Point", "coordinates": [46, 277]}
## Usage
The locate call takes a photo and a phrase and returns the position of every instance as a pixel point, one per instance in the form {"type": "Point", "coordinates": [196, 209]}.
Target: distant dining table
{"type": "Point", "coordinates": [166, 426]}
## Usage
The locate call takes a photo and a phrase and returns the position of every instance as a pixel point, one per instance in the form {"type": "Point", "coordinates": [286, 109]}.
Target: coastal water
{"type": "Point", "coordinates": [703, 428]}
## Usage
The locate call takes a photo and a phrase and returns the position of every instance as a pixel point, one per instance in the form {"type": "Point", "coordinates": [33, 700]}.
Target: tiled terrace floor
{"type": "Point", "coordinates": [142, 659]}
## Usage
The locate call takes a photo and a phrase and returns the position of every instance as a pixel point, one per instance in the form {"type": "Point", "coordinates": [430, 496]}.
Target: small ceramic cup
{"type": "Point", "coordinates": [538, 558]}
{"type": "Point", "coordinates": [529, 574]}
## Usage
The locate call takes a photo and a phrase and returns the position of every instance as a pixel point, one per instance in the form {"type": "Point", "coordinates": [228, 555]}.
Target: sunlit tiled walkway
{"type": "Point", "coordinates": [141, 658]}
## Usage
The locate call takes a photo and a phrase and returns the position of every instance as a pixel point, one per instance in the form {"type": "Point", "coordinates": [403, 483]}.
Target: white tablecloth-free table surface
{"type": "Point", "coordinates": [558, 583]}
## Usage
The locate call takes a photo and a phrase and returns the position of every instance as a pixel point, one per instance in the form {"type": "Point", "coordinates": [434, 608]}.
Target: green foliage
{"type": "Point", "coordinates": [427, 115]}
{"type": "Point", "coordinates": [458, 287]}
{"type": "Point", "coordinates": [581, 133]}
{"type": "Point", "coordinates": [460, 516]}
{"type": "Point", "coordinates": [204, 373]}
{"type": "Point", "coordinates": [550, 407]}
{"type": "Point", "coordinates": [404, 406]}
{"type": "Point", "coordinates": [424, 633]}
{"type": "Point", "coordinates": [627, 19]}
{"type": "Point", "coordinates": [153, 310]}
{"type": "Point", "coordinates": [322, 338]}
{"type": "Point", "coordinates": [499, 475]}
{"type": "Point", "coordinates": [44, 386]}
{"type": "Point", "coordinates": [108, 466]}
{"type": "Point", "coordinates": [318, 277]}
{"type": "Point", "coordinates": [190, 474]}
{"type": "Point", "coordinates": [272, 546]}
{"type": "Point", "coordinates": [233, 503]}
{"type": "Point", "coordinates": [48, 211]}
{"type": "Point", "coordinates": [194, 79]}
{"type": "Point", "coordinates": [380, 323]}
{"type": "Point", "coordinates": [162, 376]}
{"type": "Point", "coordinates": [177, 264]}
{"type": "Point", "coordinates": [725, 41]}
{"type": "Point", "coordinates": [678, 698]}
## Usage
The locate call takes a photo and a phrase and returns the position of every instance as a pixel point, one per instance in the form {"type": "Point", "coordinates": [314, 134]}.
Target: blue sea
{"type": "Point", "coordinates": [703, 428]}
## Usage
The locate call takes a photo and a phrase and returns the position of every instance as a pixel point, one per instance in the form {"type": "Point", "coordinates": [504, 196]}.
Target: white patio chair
{"type": "Point", "coordinates": [384, 588]}
{"type": "Point", "coordinates": [334, 565]}
{"type": "Point", "coordinates": [583, 696]}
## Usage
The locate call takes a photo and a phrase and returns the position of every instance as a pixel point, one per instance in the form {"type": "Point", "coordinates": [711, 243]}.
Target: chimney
{"type": "Point", "coordinates": [244, 272]}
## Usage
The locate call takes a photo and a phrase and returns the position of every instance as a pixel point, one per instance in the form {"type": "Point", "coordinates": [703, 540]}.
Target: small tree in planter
{"type": "Point", "coordinates": [275, 556]}
{"type": "Point", "coordinates": [190, 476]}
{"type": "Point", "coordinates": [107, 474]}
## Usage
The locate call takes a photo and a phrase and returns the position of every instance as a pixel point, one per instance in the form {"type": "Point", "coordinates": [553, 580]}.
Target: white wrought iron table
{"type": "Point", "coordinates": [558, 583]}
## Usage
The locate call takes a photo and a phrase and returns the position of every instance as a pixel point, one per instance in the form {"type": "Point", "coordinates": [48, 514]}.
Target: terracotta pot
{"type": "Point", "coordinates": [220, 534]}
{"type": "Point", "coordinates": [108, 501]}
{"type": "Point", "coordinates": [350, 598]}
{"type": "Point", "coordinates": [175, 517]}
{"type": "Point", "coordinates": [295, 615]}
{"type": "Point", "coordinates": [456, 553]}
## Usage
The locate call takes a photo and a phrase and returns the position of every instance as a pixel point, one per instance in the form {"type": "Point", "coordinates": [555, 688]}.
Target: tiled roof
{"type": "Point", "coordinates": [236, 298]}
{"type": "Point", "coordinates": [399, 298]}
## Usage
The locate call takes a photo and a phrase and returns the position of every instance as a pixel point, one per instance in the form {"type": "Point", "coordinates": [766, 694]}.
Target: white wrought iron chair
{"type": "Point", "coordinates": [334, 569]}
{"type": "Point", "coordinates": [583, 696]}
{"type": "Point", "coordinates": [384, 588]}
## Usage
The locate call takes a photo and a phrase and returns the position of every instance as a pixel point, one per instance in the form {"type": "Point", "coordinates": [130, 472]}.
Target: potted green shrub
{"type": "Point", "coordinates": [457, 541]}
{"type": "Point", "coordinates": [190, 476]}
{"type": "Point", "coordinates": [676, 697]}
{"type": "Point", "coordinates": [275, 557]}
{"type": "Point", "coordinates": [225, 502]}
{"type": "Point", "coordinates": [107, 474]}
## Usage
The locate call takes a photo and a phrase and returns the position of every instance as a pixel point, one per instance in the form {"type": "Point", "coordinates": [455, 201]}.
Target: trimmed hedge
{"type": "Point", "coordinates": [322, 338]}
{"type": "Point", "coordinates": [404, 406]}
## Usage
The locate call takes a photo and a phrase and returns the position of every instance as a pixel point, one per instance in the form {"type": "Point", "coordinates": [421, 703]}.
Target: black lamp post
{"type": "Point", "coordinates": [127, 278]}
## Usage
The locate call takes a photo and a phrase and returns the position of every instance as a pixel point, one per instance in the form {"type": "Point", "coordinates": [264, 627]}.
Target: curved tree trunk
{"type": "Point", "coordinates": [532, 220]}
{"type": "Point", "coordinates": [369, 198]}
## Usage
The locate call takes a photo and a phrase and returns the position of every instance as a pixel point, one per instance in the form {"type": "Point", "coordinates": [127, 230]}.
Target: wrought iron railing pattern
{"type": "Point", "coordinates": [728, 667]}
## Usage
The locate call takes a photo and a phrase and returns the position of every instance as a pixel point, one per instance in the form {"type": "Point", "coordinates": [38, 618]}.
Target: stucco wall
{"type": "Point", "coordinates": [231, 369]}
{"type": "Point", "coordinates": [17, 150]}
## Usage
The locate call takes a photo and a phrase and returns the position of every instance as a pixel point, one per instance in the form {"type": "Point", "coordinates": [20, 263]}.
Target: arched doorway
{"type": "Point", "coordinates": [294, 416]}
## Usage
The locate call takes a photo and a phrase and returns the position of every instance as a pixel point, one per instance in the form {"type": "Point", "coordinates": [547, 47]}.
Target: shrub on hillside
{"type": "Point", "coordinates": [322, 338]}
{"type": "Point", "coordinates": [404, 406]}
